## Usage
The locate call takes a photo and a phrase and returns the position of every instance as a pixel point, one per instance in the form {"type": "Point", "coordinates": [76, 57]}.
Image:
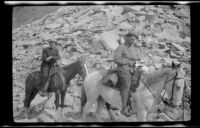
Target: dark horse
{"type": "Point", "coordinates": [32, 84]}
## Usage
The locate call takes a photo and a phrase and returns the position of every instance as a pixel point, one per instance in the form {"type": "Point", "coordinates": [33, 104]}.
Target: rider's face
{"type": "Point", "coordinates": [130, 40]}
{"type": "Point", "coordinates": [52, 45]}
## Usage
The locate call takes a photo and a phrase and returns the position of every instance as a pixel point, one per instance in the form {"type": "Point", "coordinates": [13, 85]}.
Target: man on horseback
{"type": "Point", "coordinates": [125, 60]}
{"type": "Point", "coordinates": [50, 56]}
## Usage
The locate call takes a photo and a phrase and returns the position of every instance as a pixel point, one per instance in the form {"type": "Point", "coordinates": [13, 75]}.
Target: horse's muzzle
{"type": "Point", "coordinates": [170, 103]}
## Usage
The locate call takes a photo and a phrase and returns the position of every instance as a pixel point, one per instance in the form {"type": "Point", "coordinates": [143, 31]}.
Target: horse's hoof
{"type": "Point", "coordinates": [125, 114]}
{"type": "Point", "coordinates": [66, 106]}
{"type": "Point", "coordinates": [43, 94]}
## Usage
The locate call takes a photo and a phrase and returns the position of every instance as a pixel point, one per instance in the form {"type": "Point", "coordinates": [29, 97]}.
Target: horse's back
{"type": "Point", "coordinates": [94, 76]}
{"type": "Point", "coordinates": [92, 84]}
{"type": "Point", "coordinates": [93, 87]}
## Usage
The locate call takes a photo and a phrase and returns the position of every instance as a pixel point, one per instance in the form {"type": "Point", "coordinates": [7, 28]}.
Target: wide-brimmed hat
{"type": "Point", "coordinates": [129, 34]}
{"type": "Point", "coordinates": [51, 41]}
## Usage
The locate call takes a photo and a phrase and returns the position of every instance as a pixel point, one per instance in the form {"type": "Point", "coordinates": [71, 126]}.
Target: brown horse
{"type": "Point", "coordinates": [32, 83]}
{"type": "Point", "coordinates": [151, 85]}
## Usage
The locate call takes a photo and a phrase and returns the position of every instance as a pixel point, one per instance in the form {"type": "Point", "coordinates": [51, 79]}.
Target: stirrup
{"type": "Point", "coordinates": [43, 93]}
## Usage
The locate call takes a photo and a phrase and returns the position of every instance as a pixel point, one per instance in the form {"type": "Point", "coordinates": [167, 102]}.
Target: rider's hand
{"type": "Point", "coordinates": [48, 58]}
{"type": "Point", "coordinates": [131, 63]}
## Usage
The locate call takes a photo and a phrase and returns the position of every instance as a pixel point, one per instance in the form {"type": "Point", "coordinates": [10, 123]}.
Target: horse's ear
{"type": "Point", "coordinates": [179, 65]}
{"type": "Point", "coordinates": [83, 59]}
{"type": "Point", "coordinates": [78, 58]}
{"type": "Point", "coordinates": [173, 65]}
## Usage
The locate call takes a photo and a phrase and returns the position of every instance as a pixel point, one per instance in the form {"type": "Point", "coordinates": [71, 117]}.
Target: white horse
{"type": "Point", "coordinates": [151, 85]}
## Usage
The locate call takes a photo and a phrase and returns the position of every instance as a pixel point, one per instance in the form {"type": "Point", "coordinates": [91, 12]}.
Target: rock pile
{"type": "Point", "coordinates": [95, 32]}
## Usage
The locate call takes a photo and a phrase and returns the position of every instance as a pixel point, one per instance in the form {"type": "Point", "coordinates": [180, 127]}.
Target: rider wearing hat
{"type": "Point", "coordinates": [50, 56]}
{"type": "Point", "coordinates": [125, 59]}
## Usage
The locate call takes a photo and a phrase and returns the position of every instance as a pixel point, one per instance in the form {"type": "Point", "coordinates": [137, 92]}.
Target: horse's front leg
{"type": "Point", "coordinates": [100, 105]}
{"type": "Point", "coordinates": [63, 94]}
{"type": "Point", "coordinates": [26, 111]}
{"type": "Point", "coordinates": [58, 116]}
{"type": "Point", "coordinates": [57, 99]}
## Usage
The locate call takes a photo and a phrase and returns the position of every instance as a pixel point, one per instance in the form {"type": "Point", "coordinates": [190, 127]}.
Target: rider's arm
{"type": "Point", "coordinates": [44, 55]}
{"type": "Point", "coordinates": [118, 59]}
{"type": "Point", "coordinates": [57, 55]}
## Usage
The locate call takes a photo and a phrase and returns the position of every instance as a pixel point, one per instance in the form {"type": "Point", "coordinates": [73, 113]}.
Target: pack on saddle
{"type": "Point", "coordinates": [110, 80]}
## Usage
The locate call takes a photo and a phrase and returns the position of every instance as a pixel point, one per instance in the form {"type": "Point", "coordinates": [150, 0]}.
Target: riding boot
{"type": "Point", "coordinates": [125, 96]}
{"type": "Point", "coordinates": [43, 91]}
{"type": "Point", "coordinates": [132, 104]}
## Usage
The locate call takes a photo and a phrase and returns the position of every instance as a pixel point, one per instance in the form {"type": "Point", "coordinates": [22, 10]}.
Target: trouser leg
{"type": "Point", "coordinates": [45, 72]}
{"type": "Point", "coordinates": [125, 78]}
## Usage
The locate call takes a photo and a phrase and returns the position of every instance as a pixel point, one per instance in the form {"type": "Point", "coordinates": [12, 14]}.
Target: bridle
{"type": "Point", "coordinates": [161, 99]}
{"type": "Point", "coordinates": [174, 80]}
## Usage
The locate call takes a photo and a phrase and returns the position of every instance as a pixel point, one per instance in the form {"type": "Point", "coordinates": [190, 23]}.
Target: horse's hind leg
{"type": "Point", "coordinates": [63, 93]}
{"type": "Point", "coordinates": [86, 108]}
{"type": "Point", "coordinates": [59, 116]}
{"type": "Point", "coordinates": [141, 112]}
{"type": "Point", "coordinates": [57, 99]}
{"type": "Point", "coordinates": [100, 105]}
{"type": "Point", "coordinates": [112, 117]}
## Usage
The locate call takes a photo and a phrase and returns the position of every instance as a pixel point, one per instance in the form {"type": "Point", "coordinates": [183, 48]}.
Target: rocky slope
{"type": "Point", "coordinates": [95, 32]}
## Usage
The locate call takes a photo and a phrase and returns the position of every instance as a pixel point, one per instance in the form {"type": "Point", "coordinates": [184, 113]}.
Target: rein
{"type": "Point", "coordinates": [161, 99]}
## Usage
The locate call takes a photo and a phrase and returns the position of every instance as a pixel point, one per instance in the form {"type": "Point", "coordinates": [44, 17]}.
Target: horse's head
{"type": "Point", "coordinates": [82, 68]}
{"type": "Point", "coordinates": [178, 82]}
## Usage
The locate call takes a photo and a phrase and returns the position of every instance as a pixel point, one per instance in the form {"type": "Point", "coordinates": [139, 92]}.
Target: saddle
{"type": "Point", "coordinates": [56, 69]}
{"type": "Point", "coordinates": [109, 79]}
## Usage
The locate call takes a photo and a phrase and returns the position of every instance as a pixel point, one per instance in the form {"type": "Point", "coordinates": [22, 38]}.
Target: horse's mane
{"type": "Point", "coordinates": [155, 76]}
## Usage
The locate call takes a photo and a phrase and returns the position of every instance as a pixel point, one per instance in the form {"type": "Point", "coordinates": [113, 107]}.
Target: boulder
{"type": "Point", "coordinates": [116, 10]}
{"type": "Point", "coordinates": [162, 46]}
{"type": "Point", "coordinates": [69, 100]}
{"type": "Point", "coordinates": [125, 25]}
{"type": "Point", "coordinates": [158, 65]}
{"type": "Point", "coordinates": [178, 47]}
{"type": "Point", "coordinates": [38, 99]}
{"type": "Point", "coordinates": [110, 40]}
{"type": "Point", "coordinates": [44, 118]}
{"type": "Point", "coordinates": [27, 120]}
{"type": "Point", "coordinates": [141, 18]}
{"type": "Point", "coordinates": [53, 26]}
{"type": "Point", "coordinates": [50, 102]}
{"type": "Point", "coordinates": [151, 18]}
{"type": "Point", "coordinates": [170, 34]}
{"type": "Point", "coordinates": [137, 7]}
{"type": "Point", "coordinates": [105, 66]}
{"type": "Point", "coordinates": [174, 54]}
{"type": "Point", "coordinates": [147, 41]}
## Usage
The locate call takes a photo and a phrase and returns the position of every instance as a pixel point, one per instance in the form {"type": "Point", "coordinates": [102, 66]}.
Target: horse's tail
{"type": "Point", "coordinates": [28, 90]}
{"type": "Point", "coordinates": [83, 98]}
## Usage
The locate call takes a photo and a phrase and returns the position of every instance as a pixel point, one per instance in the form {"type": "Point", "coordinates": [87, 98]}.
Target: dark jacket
{"type": "Point", "coordinates": [50, 52]}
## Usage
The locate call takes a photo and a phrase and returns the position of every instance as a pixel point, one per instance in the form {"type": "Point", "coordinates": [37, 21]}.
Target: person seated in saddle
{"type": "Point", "coordinates": [50, 56]}
{"type": "Point", "coordinates": [125, 60]}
